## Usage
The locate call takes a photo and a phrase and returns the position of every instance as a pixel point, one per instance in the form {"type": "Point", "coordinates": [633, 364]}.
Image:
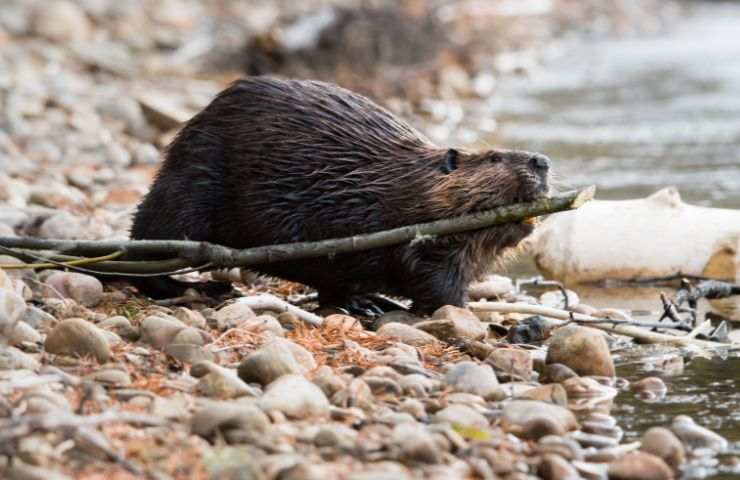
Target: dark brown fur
{"type": "Point", "coordinates": [274, 161]}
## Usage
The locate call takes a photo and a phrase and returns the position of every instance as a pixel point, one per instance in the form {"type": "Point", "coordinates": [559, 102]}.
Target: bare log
{"type": "Point", "coordinates": [218, 256]}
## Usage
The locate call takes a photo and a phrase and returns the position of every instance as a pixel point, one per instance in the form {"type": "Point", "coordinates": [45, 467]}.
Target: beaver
{"type": "Point", "coordinates": [272, 161]}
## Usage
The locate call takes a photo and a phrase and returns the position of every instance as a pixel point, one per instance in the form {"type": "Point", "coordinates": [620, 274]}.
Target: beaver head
{"type": "Point", "coordinates": [467, 182]}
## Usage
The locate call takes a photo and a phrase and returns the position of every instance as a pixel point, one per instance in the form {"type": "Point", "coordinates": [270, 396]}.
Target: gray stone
{"type": "Point", "coordinates": [449, 323]}
{"type": "Point", "coordinates": [581, 348]}
{"type": "Point", "coordinates": [662, 443]}
{"type": "Point", "coordinates": [84, 289]}
{"type": "Point", "coordinates": [295, 397]}
{"type": "Point", "coordinates": [159, 330]}
{"type": "Point", "coordinates": [470, 377]}
{"type": "Point", "coordinates": [461, 416]}
{"type": "Point", "coordinates": [533, 419]}
{"type": "Point", "coordinates": [273, 360]}
{"type": "Point", "coordinates": [406, 334]}
{"type": "Point", "coordinates": [77, 337]}
{"type": "Point", "coordinates": [219, 382]}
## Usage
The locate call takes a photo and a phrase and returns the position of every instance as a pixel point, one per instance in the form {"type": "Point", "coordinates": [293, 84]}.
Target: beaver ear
{"type": "Point", "coordinates": [449, 161]}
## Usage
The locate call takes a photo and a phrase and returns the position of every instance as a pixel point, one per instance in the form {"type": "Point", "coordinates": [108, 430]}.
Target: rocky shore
{"type": "Point", "coordinates": [99, 382]}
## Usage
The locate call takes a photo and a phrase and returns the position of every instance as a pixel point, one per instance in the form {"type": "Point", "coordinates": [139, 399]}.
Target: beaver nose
{"type": "Point", "coordinates": [539, 162]}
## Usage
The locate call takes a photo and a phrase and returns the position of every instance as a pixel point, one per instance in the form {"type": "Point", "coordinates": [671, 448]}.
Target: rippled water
{"type": "Point", "coordinates": [633, 115]}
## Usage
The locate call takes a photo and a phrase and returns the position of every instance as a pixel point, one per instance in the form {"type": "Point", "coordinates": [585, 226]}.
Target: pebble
{"type": "Point", "coordinates": [534, 419]}
{"type": "Point", "coordinates": [264, 324]}
{"type": "Point", "coordinates": [557, 373]}
{"type": "Point", "coordinates": [219, 382]}
{"type": "Point", "coordinates": [60, 21]}
{"type": "Point", "coordinates": [417, 385]}
{"type": "Point", "coordinates": [295, 397]}
{"type": "Point", "coordinates": [83, 289]}
{"type": "Point", "coordinates": [650, 388]}
{"type": "Point", "coordinates": [662, 443]}
{"type": "Point", "coordinates": [274, 359]}
{"type": "Point", "coordinates": [564, 447]}
{"type": "Point", "coordinates": [462, 416]}
{"type": "Point", "coordinates": [13, 359]}
{"type": "Point", "coordinates": [406, 334]}
{"type": "Point", "coordinates": [63, 226]}
{"type": "Point", "coordinates": [470, 377]}
{"type": "Point", "coordinates": [110, 376]}
{"type": "Point", "coordinates": [233, 315]}
{"type": "Point", "coordinates": [553, 393]}
{"type": "Point", "coordinates": [415, 444]}
{"type": "Point", "coordinates": [121, 326]}
{"type": "Point", "coordinates": [491, 288]}
{"type": "Point", "coordinates": [531, 330]}
{"type": "Point", "coordinates": [396, 316]}
{"type": "Point", "coordinates": [188, 353]}
{"type": "Point", "coordinates": [555, 467]}
{"type": "Point", "coordinates": [229, 419]}
{"type": "Point", "coordinates": [38, 319]}
{"type": "Point", "coordinates": [191, 318]}
{"type": "Point", "coordinates": [511, 363]}
{"type": "Point", "coordinates": [582, 349]}
{"type": "Point", "coordinates": [450, 323]}
{"type": "Point", "coordinates": [77, 337]}
{"type": "Point", "coordinates": [639, 466]}
{"type": "Point", "coordinates": [328, 381]}
{"type": "Point", "coordinates": [159, 330]}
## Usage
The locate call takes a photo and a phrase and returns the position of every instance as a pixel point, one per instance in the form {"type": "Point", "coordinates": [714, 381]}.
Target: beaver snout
{"type": "Point", "coordinates": [539, 163]}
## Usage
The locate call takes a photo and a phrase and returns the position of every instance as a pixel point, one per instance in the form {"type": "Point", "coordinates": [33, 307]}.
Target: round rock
{"type": "Point", "coordinates": [295, 397]}
{"type": "Point", "coordinates": [470, 377]}
{"type": "Point", "coordinates": [78, 337]}
{"type": "Point", "coordinates": [582, 349]}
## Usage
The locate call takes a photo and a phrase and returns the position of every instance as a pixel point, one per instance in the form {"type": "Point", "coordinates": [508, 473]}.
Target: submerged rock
{"type": "Point", "coordinates": [639, 466]}
{"type": "Point", "coordinates": [662, 443]}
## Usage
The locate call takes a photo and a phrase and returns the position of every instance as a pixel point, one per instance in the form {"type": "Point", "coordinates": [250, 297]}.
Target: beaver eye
{"type": "Point", "coordinates": [449, 161]}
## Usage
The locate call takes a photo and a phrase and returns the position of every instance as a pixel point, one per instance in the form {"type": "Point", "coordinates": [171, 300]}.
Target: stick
{"type": "Point", "coordinates": [616, 326]}
{"type": "Point", "coordinates": [265, 301]}
{"type": "Point", "coordinates": [224, 257]}
{"type": "Point", "coordinates": [71, 263]}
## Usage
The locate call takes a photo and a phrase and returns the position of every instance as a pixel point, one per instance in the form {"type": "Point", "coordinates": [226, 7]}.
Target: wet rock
{"type": "Point", "coordinates": [662, 443]}
{"type": "Point", "coordinates": [219, 382]}
{"type": "Point", "coordinates": [83, 289]}
{"type": "Point", "coordinates": [470, 377]}
{"type": "Point", "coordinates": [511, 363]}
{"type": "Point", "coordinates": [492, 287]}
{"type": "Point", "coordinates": [649, 388]}
{"type": "Point", "coordinates": [449, 323]}
{"type": "Point", "coordinates": [555, 467]}
{"type": "Point", "coordinates": [557, 373]}
{"type": "Point", "coordinates": [462, 416]}
{"type": "Point", "coordinates": [529, 330]}
{"type": "Point", "coordinates": [406, 334]}
{"type": "Point", "coordinates": [553, 393]}
{"type": "Point", "coordinates": [229, 419]}
{"type": "Point", "coordinates": [274, 359]}
{"type": "Point", "coordinates": [639, 466]}
{"type": "Point", "coordinates": [295, 397]}
{"type": "Point", "coordinates": [415, 444]}
{"type": "Point", "coordinates": [581, 348]}
{"type": "Point", "coordinates": [121, 326]}
{"type": "Point", "coordinates": [233, 315]}
{"type": "Point", "coordinates": [77, 337]}
{"type": "Point", "coordinates": [60, 21]}
{"type": "Point", "coordinates": [696, 437]}
{"type": "Point", "coordinates": [532, 419]}
{"type": "Point", "coordinates": [159, 330]}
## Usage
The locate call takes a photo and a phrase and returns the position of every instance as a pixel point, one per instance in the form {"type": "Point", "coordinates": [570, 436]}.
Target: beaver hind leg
{"type": "Point", "coordinates": [160, 288]}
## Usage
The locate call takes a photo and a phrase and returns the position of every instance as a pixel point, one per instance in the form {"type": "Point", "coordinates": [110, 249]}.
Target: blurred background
{"type": "Point", "coordinates": [630, 95]}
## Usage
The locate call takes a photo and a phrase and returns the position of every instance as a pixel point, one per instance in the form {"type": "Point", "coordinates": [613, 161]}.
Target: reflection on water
{"type": "Point", "coordinates": [634, 115]}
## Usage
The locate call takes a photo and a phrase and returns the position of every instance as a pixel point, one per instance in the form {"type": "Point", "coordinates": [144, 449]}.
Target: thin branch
{"type": "Point", "coordinates": [616, 326]}
{"type": "Point", "coordinates": [224, 257]}
{"type": "Point", "coordinates": [71, 263]}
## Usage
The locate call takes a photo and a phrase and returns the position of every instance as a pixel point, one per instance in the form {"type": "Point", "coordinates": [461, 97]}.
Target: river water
{"type": "Point", "coordinates": [633, 115]}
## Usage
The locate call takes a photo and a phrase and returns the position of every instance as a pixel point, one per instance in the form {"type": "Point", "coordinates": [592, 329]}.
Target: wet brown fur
{"type": "Point", "coordinates": [275, 161]}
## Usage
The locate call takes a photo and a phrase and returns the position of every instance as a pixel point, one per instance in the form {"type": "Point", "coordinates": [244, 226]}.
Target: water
{"type": "Point", "coordinates": [631, 116]}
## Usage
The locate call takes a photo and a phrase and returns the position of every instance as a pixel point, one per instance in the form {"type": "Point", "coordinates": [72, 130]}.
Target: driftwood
{"type": "Point", "coordinates": [202, 255]}
{"type": "Point", "coordinates": [618, 326]}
